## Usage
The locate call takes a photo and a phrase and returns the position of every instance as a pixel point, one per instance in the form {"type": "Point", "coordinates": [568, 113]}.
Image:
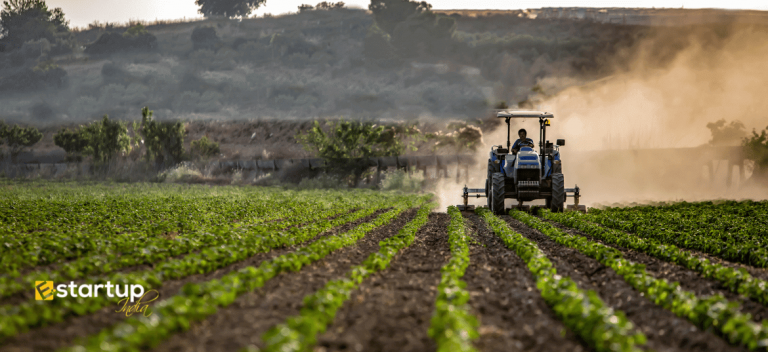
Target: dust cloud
{"type": "Point", "coordinates": [619, 129]}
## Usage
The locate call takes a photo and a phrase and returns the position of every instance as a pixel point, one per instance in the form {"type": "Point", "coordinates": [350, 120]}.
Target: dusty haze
{"type": "Point", "coordinates": [649, 106]}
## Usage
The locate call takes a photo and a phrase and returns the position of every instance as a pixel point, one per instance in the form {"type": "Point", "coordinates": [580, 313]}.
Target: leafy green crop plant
{"type": "Point", "coordinates": [197, 301]}
{"type": "Point", "coordinates": [17, 318]}
{"type": "Point", "coordinates": [732, 231]}
{"type": "Point", "coordinates": [299, 333]}
{"type": "Point", "coordinates": [156, 250]}
{"type": "Point", "coordinates": [714, 312]}
{"type": "Point", "coordinates": [582, 311]}
{"type": "Point", "coordinates": [737, 280]}
{"type": "Point", "coordinates": [453, 327]}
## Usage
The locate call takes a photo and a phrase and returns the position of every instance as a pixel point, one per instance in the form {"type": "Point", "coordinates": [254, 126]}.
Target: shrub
{"type": "Point", "coordinates": [44, 75]}
{"type": "Point", "coordinates": [181, 173]}
{"type": "Point", "coordinates": [330, 5]}
{"type": "Point", "coordinates": [164, 140]}
{"type": "Point", "coordinates": [18, 138]}
{"type": "Point", "coordinates": [204, 147]}
{"type": "Point", "coordinates": [399, 180]}
{"type": "Point", "coordinates": [102, 139]}
{"type": "Point", "coordinates": [136, 38]}
{"type": "Point", "coordinates": [205, 38]}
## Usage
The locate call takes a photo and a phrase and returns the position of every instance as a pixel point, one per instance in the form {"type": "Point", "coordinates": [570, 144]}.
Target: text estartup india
{"type": "Point", "coordinates": [136, 291]}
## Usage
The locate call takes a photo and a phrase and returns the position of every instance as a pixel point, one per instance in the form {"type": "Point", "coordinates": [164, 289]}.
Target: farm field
{"type": "Point", "coordinates": [228, 268]}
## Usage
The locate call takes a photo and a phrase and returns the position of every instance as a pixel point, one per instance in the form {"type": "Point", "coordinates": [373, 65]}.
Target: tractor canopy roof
{"type": "Point", "coordinates": [523, 114]}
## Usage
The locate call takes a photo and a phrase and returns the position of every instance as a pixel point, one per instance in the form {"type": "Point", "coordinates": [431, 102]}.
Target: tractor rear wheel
{"type": "Point", "coordinates": [497, 193]}
{"type": "Point", "coordinates": [557, 201]}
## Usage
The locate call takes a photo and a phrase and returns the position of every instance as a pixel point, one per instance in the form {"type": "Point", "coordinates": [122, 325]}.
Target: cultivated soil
{"type": "Point", "coordinates": [513, 315]}
{"type": "Point", "coordinates": [664, 330]}
{"type": "Point", "coordinates": [66, 333]}
{"type": "Point", "coordinates": [689, 280]}
{"type": "Point", "coordinates": [391, 310]}
{"type": "Point", "coordinates": [243, 322]}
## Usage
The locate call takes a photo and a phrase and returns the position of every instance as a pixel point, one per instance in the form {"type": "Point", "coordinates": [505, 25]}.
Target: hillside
{"type": "Point", "coordinates": [308, 64]}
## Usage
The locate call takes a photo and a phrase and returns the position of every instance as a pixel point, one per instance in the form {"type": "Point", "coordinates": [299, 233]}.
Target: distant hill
{"type": "Point", "coordinates": [327, 63]}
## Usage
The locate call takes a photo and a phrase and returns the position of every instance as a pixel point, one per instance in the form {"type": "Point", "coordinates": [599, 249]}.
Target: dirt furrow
{"type": "Point", "coordinates": [664, 330]}
{"type": "Point", "coordinates": [65, 333]}
{"type": "Point", "coordinates": [243, 322]}
{"type": "Point", "coordinates": [761, 273]}
{"type": "Point", "coordinates": [689, 280]}
{"type": "Point", "coordinates": [392, 309]}
{"type": "Point", "coordinates": [512, 314]}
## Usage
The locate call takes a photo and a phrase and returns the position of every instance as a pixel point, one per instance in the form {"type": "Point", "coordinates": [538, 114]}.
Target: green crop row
{"type": "Point", "coordinates": [582, 311]}
{"type": "Point", "coordinates": [197, 301]}
{"type": "Point", "coordinates": [153, 250]}
{"type": "Point", "coordinates": [714, 312]}
{"type": "Point", "coordinates": [453, 327]}
{"type": "Point", "coordinates": [120, 226]}
{"type": "Point", "coordinates": [730, 223]}
{"type": "Point", "coordinates": [736, 280]}
{"type": "Point", "coordinates": [299, 333]}
{"type": "Point", "coordinates": [752, 253]}
{"type": "Point", "coordinates": [753, 211]}
{"type": "Point", "coordinates": [35, 313]}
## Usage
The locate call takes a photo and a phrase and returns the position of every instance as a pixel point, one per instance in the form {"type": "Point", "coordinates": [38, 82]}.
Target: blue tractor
{"type": "Point", "coordinates": [526, 175]}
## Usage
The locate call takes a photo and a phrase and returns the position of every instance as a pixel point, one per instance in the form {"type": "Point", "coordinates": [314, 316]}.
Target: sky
{"type": "Point", "coordinates": [82, 12]}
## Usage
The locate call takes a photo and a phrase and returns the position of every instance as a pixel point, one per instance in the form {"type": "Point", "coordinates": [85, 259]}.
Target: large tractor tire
{"type": "Point", "coordinates": [497, 193]}
{"type": "Point", "coordinates": [493, 168]}
{"type": "Point", "coordinates": [557, 201]}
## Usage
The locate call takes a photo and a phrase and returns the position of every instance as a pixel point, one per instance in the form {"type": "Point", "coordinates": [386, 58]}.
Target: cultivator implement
{"type": "Point", "coordinates": [467, 193]}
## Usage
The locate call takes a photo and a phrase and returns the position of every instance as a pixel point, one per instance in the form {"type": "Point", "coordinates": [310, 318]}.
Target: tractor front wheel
{"type": "Point", "coordinates": [497, 193]}
{"type": "Point", "coordinates": [557, 201]}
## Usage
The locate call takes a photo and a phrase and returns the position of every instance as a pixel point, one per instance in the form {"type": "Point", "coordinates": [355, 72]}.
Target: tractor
{"type": "Point", "coordinates": [526, 175]}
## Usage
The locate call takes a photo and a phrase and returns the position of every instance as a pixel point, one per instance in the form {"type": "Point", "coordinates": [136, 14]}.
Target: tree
{"type": "Point", "coordinates": [756, 149]}
{"type": "Point", "coordinates": [388, 13]}
{"type": "Point", "coordinates": [228, 8]}
{"type": "Point", "coordinates": [102, 139]}
{"type": "Point", "coordinates": [163, 140]}
{"type": "Point", "coordinates": [726, 134]}
{"type": "Point", "coordinates": [347, 145]}
{"type": "Point", "coordinates": [18, 138]}
{"type": "Point", "coordinates": [25, 20]}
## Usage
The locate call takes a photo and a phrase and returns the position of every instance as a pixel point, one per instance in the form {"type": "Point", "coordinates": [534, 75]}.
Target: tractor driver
{"type": "Point", "coordinates": [522, 141]}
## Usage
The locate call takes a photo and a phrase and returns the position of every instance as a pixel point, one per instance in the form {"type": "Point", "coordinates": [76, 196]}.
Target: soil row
{"type": "Point", "coordinates": [513, 316]}
{"type": "Point", "coordinates": [664, 330]}
{"type": "Point", "coordinates": [55, 336]}
{"type": "Point", "coordinates": [689, 280]}
{"type": "Point", "coordinates": [244, 321]}
{"type": "Point", "coordinates": [391, 310]}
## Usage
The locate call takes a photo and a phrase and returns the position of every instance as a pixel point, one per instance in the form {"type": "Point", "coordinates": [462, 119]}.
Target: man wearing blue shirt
{"type": "Point", "coordinates": [522, 141]}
